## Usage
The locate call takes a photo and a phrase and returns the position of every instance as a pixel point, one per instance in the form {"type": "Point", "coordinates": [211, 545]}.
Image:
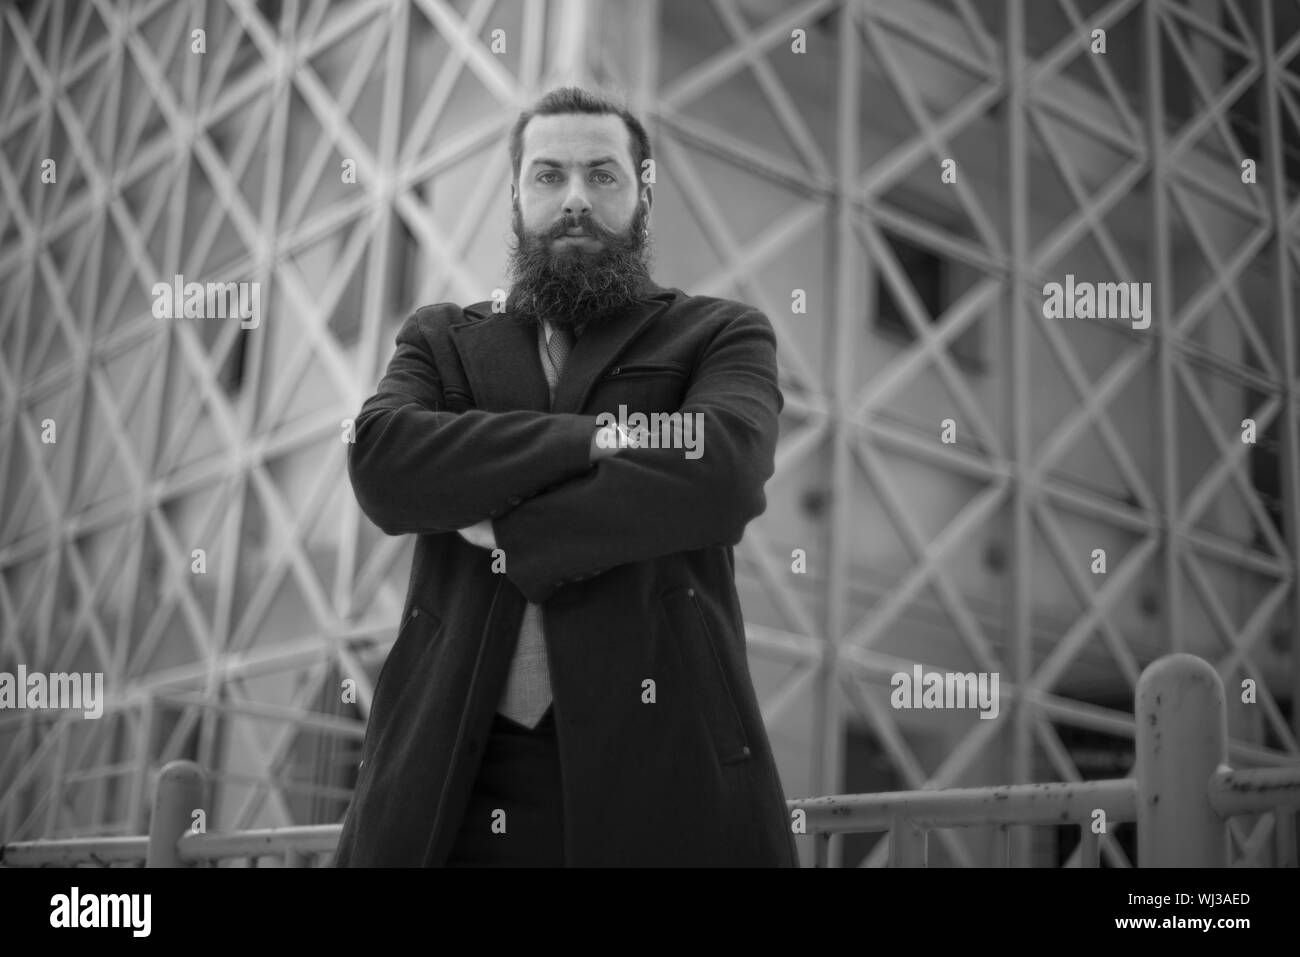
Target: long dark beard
{"type": "Point", "coordinates": [573, 289]}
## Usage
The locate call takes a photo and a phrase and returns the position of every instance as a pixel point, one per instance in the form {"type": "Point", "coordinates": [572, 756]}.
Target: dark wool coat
{"type": "Point", "coordinates": [631, 559]}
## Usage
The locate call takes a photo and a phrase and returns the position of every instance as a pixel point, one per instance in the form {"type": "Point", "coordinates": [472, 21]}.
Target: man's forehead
{"type": "Point", "coordinates": [576, 137]}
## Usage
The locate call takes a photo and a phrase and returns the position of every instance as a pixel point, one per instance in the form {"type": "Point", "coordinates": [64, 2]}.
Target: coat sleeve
{"type": "Point", "coordinates": [416, 468]}
{"type": "Point", "coordinates": [645, 503]}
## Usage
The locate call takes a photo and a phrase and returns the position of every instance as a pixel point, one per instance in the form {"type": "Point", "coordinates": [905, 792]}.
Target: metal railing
{"type": "Point", "coordinates": [1182, 795]}
{"type": "Point", "coordinates": [1182, 798]}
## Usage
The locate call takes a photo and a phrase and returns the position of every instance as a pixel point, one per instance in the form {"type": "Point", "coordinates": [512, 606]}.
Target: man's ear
{"type": "Point", "coordinates": [514, 193]}
{"type": "Point", "coordinates": [649, 198]}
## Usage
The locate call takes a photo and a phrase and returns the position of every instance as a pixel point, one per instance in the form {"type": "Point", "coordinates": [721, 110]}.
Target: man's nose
{"type": "Point", "coordinates": [576, 204]}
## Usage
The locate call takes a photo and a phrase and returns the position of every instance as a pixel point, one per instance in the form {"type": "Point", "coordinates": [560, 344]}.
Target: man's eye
{"type": "Point", "coordinates": [608, 178]}
{"type": "Point", "coordinates": [542, 177]}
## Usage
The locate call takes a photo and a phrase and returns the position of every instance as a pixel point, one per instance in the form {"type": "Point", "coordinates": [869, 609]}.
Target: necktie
{"type": "Point", "coordinates": [558, 346]}
{"type": "Point", "coordinates": [527, 693]}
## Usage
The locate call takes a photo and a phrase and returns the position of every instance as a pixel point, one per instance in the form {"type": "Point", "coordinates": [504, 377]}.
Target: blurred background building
{"type": "Point", "coordinates": [801, 156]}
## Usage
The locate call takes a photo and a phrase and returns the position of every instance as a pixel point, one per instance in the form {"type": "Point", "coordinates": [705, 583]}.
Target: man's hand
{"type": "Point", "coordinates": [480, 534]}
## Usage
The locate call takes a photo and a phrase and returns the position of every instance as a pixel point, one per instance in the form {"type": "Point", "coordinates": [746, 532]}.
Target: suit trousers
{"type": "Point", "coordinates": [520, 775]}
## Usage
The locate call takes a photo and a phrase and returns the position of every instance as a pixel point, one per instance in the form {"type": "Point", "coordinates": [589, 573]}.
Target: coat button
{"type": "Point", "coordinates": [690, 593]}
{"type": "Point", "coordinates": [514, 500]}
{"type": "Point", "coordinates": [415, 613]}
{"type": "Point", "coordinates": [745, 751]}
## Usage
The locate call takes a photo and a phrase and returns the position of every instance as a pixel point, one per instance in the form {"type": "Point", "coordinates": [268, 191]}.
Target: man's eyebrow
{"type": "Point", "coordinates": [601, 161]}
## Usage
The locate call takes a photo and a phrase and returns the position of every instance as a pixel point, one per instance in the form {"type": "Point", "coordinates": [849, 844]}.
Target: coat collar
{"type": "Point", "coordinates": [501, 360]}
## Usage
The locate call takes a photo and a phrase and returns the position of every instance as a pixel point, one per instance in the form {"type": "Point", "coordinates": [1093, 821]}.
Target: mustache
{"type": "Point", "coordinates": [588, 226]}
{"type": "Point", "coordinates": [534, 246]}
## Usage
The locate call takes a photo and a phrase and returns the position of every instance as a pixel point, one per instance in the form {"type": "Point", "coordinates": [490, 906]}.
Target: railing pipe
{"type": "Point", "coordinates": [1243, 792]}
{"type": "Point", "coordinates": [1048, 803]}
{"type": "Point", "coordinates": [69, 853]}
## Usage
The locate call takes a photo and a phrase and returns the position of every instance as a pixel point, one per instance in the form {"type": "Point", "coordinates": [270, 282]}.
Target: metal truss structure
{"type": "Point", "coordinates": [800, 148]}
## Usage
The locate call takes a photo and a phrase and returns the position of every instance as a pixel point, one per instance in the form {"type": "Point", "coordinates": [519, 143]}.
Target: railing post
{"type": "Point", "coordinates": [1181, 741]}
{"type": "Point", "coordinates": [1284, 836]}
{"type": "Point", "coordinates": [822, 849]}
{"type": "Point", "coordinates": [906, 844]}
{"type": "Point", "coordinates": [179, 793]}
{"type": "Point", "coordinates": [1089, 846]}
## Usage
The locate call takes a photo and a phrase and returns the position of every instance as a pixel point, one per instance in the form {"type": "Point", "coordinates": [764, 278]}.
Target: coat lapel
{"type": "Point", "coordinates": [500, 355]}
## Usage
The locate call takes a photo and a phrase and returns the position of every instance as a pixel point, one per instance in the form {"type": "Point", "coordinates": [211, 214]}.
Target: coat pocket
{"type": "Point", "coordinates": [418, 629]}
{"type": "Point", "coordinates": [645, 387]}
{"type": "Point", "coordinates": [694, 647]}
{"type": "Point", "coordinates": [632, 370]}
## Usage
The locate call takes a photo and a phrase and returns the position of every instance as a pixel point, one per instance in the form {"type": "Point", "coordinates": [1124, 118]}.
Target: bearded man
{"type": "Point", "coordinates": [569, 684]}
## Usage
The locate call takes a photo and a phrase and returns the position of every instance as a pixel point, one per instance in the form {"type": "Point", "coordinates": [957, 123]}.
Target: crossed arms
{"type": "Point", "coordinates": [605, 441]}
{"type": "Point", "coordinates": [560, 506]}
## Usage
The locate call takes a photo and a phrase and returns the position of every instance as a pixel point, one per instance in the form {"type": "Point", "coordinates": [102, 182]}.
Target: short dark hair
{"type": "Point", "coordinates": [573, 99]}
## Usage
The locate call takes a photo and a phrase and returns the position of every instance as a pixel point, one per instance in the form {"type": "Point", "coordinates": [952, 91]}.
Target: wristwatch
{"type": "Point", "coordinates": [626, 439]}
